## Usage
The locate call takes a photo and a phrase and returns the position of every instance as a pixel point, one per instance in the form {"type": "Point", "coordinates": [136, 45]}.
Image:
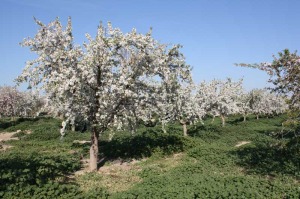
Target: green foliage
{"type": "Point", "coordinates": [268, 159]}
{"type": "Point", "coordinates": [215, 168]}
{"type": "Point", "coordinates": [26, 123]}
{"type": "Point", "coordinates": [35, 169]}
{"type": "Point", "coordinates": [211, 166]}
{"type": "Point", "coordinates": [177, 184]}
{"type": "Point", "coordinates": [141, 145]}
{"type": "Point", "coordinates": [38, 164]}
{"type": "Point", "coordinates": [6, 123]}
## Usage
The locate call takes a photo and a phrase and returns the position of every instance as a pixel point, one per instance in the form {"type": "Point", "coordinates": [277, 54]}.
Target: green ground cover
{"type": "Point", "coordinates": [207, 164]}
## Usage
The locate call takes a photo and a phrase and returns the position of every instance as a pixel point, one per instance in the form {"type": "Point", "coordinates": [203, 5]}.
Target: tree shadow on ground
{"type": "Point", "coordinates": [270, 159]}
{"type": "Point", "coordinates": [7, 123]}
{"type": "Point", "coordinates": [21, 170]}
{"type": "Point", "coordinates": [142, 145]}
{"type": "Point", "coordinates": [236, 121]}
{"type": "Point", "coordinates": [210, 132]}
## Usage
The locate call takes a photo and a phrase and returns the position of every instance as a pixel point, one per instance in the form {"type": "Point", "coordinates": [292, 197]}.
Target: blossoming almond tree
{"type": "Point", "coordinates": [15, 103]}
{"type": "Point", "coordinates": [187, 110]}
{"type": "Point", "coordinates": [279, 104]}
{"type": "Point", "coordinates": [204, 94]}
{"type": "Point", "coordinates": [220, 97]}
{"type": "Point", "coordinates": [178, 104]}
{"type": "Point", "coordinates": [113, 73]}
{"type": "Point", "coordinates": [244, 104]}
{"type": "Point", "coordinates": [263, 102]}
{"type": "Point", "coordinates": [9, 101]}
{"type": "Point", "coordinates": [284, 72]}
{"type": "Point", "coordinates": [30, 104]}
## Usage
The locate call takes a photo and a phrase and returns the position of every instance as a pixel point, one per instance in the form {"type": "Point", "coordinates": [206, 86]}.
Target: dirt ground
{"type": "Point", "coordinates": [242, 143]}
{"type": "Point", "coordinates": [5, 136]}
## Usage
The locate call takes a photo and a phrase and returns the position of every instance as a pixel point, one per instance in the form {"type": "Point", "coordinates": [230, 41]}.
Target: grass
{"type": "Point", "coordinates": [150, 164]}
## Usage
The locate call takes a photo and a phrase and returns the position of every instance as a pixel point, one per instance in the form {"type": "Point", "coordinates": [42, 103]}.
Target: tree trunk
{"type": "Point", "coordinates": [72, 122]}
{"type": "Point", "coordinates": [63, 128]}
{"type": "Point", "coordinates": [223, 120]}
{"type": "Point", "coordinates": [163, 127]}
{"type": "Point", "coordinates": [184, 129]}
{"type": "Point", "coordinates": [94, 150]}
{"type": "Point", "coordinates": [183, 123]}
{"type": "Point", "coordinates": [201, 121]}
{"type": "Point", "coordinates": [213, 119]}
{"type": "Point", "coordinates": [111, 135]}
{"type": "Point", "coordinates": [257, 117]}
{"type": "Point", "coordinates": [132, 126]}
{"type": "Point", "coordinates": [73, 127]}
{"type": "Point", "coordinates": [245, 118]}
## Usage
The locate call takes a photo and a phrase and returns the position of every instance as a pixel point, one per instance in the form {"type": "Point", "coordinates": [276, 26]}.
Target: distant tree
{"type": "Point", "coordinates": [220, 98]}
{"type": "Point", "coordinates": [262, 102]}
{"type": "Point", "coordinates": [274, 104]}
{"type": "Point", "coordinates": [205, 95]}
{"type": "Point", "coordinates": [257, 102]}
{"type": "Point", "coordinates": [187, 110]}
{"type": "Point", "coordinates": [114, 75]}
{"type": "Point", "coordinates": [284, 74]}
{"type": "Point", "coordinates": [15, 103]}
{"type": "Point", "coordinates": [244, 104]}
{"type": "Point", "coordinates": [10, 98]}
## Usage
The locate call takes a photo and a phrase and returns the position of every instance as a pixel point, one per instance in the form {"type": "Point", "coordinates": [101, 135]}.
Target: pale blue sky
{"type": "Point", "coordinates": [214, 34]}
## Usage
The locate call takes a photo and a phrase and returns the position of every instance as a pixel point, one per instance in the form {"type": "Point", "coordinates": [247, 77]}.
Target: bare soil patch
{"type": "Point", "coordinates": [242, 143]}
{"type": "Point", "coordinates": [115, 176]}
{"type": "Point", "coordinates": [6, 136]}
{"type": "Point", "coordinates": [120, 175]}
{"type": "Point", "coordinates": [4, 147]}
{"type": "Point", "coordinates": [81, 141]}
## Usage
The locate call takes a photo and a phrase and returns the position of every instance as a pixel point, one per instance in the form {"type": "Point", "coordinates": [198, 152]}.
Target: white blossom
{"type": "Point", "coordinates": [116, 74]}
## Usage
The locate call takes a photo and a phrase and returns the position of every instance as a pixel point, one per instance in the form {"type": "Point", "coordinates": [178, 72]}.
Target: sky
{"type": "Point", "coordinates": [214, 34]}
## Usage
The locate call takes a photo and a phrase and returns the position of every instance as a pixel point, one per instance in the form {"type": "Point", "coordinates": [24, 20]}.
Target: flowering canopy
{"type": "Point", "coordinates": [284, 74]}
{"type": "Point", "coordinates": [219, 98]}
{"type": "Point", "coordinates": [14, 103]}
{"type": "Point", "coordinates": [112, 76]}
